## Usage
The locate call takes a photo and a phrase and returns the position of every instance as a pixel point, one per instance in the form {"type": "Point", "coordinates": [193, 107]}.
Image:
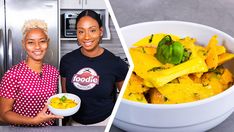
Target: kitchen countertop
{"type": "Point", "coordinates": [53, 129]}
{"type": "Point", "coordinates": [215, 13]}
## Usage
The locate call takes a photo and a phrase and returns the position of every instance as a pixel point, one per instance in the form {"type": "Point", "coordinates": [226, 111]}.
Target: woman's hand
{"type": "Point", "coordinates": [43, 116]}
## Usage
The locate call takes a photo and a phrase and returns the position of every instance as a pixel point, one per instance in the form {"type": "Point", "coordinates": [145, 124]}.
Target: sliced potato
{"type": "Point", "coordinates": [181, 93]}
{"type": "Point", "coordinates": [224, 57]}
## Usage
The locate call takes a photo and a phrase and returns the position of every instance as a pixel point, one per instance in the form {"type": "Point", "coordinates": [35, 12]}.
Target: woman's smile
{"type": "Point", "coordinates": [88, 43]}
{"type": "Point", "coordinates": [37, 53]}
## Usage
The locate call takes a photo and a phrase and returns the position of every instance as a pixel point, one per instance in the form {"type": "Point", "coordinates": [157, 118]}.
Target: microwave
{"type": "Point", "coordinates": [69, 25]}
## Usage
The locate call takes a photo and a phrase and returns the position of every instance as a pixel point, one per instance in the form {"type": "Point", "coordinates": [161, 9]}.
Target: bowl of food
{"type": "Point", "coordinates": [182, 78]}
{"type": "Point", "coordinates": [64, 104]}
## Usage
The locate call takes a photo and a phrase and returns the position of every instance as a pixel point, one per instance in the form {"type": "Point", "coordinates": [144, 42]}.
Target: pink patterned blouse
{"type": "Point", "coordinates": [29, 89]}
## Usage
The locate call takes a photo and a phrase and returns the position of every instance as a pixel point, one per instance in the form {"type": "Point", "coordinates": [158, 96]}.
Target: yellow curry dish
{"type": "Point", "coordinates": [172, 70]}
{"type": "Point", "coordinates": [62, 102]}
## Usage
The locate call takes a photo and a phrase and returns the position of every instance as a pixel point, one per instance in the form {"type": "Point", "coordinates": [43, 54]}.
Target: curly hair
{"type": "Point", "coordinates": [34, 24]}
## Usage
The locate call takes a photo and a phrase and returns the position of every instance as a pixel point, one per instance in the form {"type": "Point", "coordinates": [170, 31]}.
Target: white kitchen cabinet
{"type": "Point", "coordinates": [71, 4]}
{"type": "Point", "coordinates": [94, 4]}
{"type": "Point", "coordinates": [82, 4]}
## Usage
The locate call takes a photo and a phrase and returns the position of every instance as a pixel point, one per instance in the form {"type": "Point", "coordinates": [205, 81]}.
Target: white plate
{"type": "Point", "coordinates": [194, 116]}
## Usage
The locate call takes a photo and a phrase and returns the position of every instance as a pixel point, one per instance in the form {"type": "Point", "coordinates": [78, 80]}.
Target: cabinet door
{"type": "Point", "coordinates": [94, 4]}
{"type": "Point", "coordinates": [71, 4]}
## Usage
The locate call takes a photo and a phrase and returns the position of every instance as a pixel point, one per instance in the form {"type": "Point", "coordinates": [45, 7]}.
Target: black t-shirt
{"type": "Point", "coordinates": [93, 80]}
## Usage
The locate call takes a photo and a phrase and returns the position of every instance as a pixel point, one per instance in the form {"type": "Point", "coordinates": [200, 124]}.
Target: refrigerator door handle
{"type": "Point", "coordinates": [9, 49]}
{"type": "Point", "coordinates": [2, 54]}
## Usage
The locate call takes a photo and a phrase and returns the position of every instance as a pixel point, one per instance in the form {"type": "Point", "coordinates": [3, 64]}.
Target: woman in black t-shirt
{"type": "Point", "coordinates": [92, 72]}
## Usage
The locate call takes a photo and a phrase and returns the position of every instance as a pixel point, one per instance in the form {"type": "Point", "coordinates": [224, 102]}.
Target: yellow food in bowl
{"type": "Point", "coordinates": [62, 103]}
{"type": "Point", "coordinates": [196, 77]}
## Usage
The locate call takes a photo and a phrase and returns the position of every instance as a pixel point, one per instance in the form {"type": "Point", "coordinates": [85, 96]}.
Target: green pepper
{"type": "Point", "coordinates": [63, 98]}
{"type": "Point", "coordinates": [169, 51]}
{"type": "Point", "coordinates": [186, 55]}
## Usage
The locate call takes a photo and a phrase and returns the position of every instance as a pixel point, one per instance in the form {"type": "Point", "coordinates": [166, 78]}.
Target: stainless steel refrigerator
{"type": "Point", "coordinates": [13, 14]}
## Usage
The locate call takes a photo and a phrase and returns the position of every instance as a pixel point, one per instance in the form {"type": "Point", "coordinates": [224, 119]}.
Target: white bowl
{"type": "Point", "coordinates": [65, 112]}
{"type": "Point", "coordinates": [194, 116]}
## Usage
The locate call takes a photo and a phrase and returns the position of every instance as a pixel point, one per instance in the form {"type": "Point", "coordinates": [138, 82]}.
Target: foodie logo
{"type": "Point", "coordinates": [85, 79]}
